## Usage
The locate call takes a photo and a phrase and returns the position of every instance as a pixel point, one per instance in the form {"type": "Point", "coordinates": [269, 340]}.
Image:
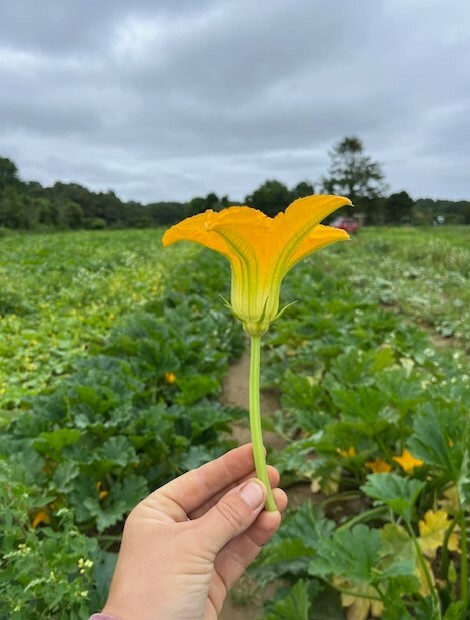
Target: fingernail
{"type": "Point", "coordinates": [252, 494]}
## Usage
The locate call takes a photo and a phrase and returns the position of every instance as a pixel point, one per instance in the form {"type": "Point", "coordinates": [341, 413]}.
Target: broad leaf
{"type": "Point", "coordinates": [437, 438]}
{"type": "Point", "coordinates": [351, 553]}
{"type": "Point", "coordinates": [400, 494]}
{"type": "Point", "coordinates": [296, 605]}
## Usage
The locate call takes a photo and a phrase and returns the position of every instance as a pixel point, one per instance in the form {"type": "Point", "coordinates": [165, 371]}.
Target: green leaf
{"type": "Point", "coordinates": [433, 435]}
{"type": "Point", "coordinates": [99, 399]}
{"type": "Point", "coordinates": [64, 476]}
{"type": "Point", "coordinates": [122, 497]}
{"type": "Point", "coordinates": [425, 610]}
{"type": "Point", "coordinates": [196, 387]}
{"type": "Point", "coordinates": [104, 564]}
{"type": "Point", "coordinates": [288, 557]}
{"type": "Point", "coordinates": [195, 457]}
{"type": "Point", "coordinates": [56, 440]}
{"type": "Point", "coordinates": [400, 494]}
{"type": "Point", "coordinates": [292, 548]}
{"type": "Point", "coordinates": [105, 516]}
{"type": "Point", "coordinates": [399, 562]}
{"type": "Point", "coordinates": [308, 525]}
{"type": "Point", "coordinates": [296, 605]}
{"type": "Point", "coordinates": [455, 611]}
{"type": "Point", "coordinates": [115, 451]}
{"type": "Point", "coordinates": [352, 553]}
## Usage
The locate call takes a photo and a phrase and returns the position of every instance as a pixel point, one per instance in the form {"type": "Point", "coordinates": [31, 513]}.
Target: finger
{"type": "Point", "coordinates": [195, 487]}
{"type": "Point", "coordinates": [274, 478]}
{"type": "Point", "coordinates": [240, 552]}
{"type": "Point", "coordinates": [231, 516]}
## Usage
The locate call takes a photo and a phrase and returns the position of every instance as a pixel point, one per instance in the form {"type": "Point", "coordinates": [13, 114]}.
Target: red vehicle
{"type": "Point", "coordinates": [349, 224]}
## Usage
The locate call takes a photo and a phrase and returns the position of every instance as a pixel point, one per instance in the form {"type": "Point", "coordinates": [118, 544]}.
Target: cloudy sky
{"type": "Point", "coordinates": [168, 99]}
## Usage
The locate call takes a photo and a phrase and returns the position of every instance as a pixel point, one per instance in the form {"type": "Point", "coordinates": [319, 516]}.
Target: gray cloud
{"type": "Point", "coordinates": [170, 99]}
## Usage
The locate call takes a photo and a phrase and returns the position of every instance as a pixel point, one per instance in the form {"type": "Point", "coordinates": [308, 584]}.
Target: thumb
{"type": "Point", "coordinates": [232, 515]}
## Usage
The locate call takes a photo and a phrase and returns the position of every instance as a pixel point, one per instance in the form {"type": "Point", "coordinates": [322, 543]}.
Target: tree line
{"type": "Point", "coordinates": [27, 205]}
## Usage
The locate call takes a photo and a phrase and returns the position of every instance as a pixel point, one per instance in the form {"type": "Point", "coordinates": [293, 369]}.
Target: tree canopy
{"type": "Point", "coordinates": [27, 205]}
{"type": "Point", "coordinates": [352, 173]}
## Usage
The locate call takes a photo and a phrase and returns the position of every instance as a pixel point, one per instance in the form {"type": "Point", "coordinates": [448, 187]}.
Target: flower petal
{"type": "Point", "coordinates": [297, 223]}
{"type": "Point", "coordinates": [197, 229]}
{"type": "Point", "coordinates": [309, 211]}
{"type": "Point", "coordinates": [320, 237]}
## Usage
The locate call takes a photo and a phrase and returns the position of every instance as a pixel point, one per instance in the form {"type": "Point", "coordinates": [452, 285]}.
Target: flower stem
{"type": "Point", "coordinates": [255, 422]}
{"type": "Point", "coordinates": [464, 563]}
{"type": "Point", "coordinates": [424, 568]}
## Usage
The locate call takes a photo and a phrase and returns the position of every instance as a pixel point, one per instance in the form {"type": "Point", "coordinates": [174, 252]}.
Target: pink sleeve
{"type": "Point", "coordinates": [101, 617]}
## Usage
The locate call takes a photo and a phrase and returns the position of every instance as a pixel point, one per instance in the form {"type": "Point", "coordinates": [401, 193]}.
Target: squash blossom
{"type": "Point", "coordinates": [261, 250]}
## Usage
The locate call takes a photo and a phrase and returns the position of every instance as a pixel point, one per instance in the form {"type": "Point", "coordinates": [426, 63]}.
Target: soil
{"type": "Point", "coordinates": [243, 603]}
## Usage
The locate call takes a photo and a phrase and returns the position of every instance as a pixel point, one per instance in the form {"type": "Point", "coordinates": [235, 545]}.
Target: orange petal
{"type": "Point", "coordinates": [41, 517]}
{"type": "Point", "coordinates": [305, 213]}
{"type": "Point", "coordinates": [320, 237]}
{"type": "Point", "coordinates": [292, 228]}
{"type": "Point", "coordinates": [196, 229]}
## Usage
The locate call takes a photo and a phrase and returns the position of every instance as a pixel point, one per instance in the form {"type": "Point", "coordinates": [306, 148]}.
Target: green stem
{"type": "Point", "coordinates": [463, 563]}
{"type": "Point", "coordinates": [369, 597]}
{"type": "Point", "coordinates": [445, 550]}
{"type": "Point", "coordinates": [363, 516]}
{"type": "Point", "coordinates": [424, 567]}
{"type": "Point", "coordinates": [255, 421]}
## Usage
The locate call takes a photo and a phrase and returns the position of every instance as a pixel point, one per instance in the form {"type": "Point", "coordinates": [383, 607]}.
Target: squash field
{"type": "Point", "coordinates": [113, 352]}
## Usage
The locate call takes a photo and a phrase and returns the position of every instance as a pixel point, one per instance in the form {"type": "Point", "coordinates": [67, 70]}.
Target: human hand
{"type": "Point", "coordinates": [187, 543]}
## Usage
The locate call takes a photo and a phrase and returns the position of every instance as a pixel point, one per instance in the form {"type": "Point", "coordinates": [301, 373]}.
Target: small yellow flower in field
{"type": "Point", "coordinates": [261, 249]}
{"type": "Point", "coordinates": [378, 466]}
{"type": "Point", "coordinates": [348, 453]}
{"type": "Point", "coordinates": [102, 492]}
{"type": "Point", "coordinates": [407, 461]}
{"type": "Point", "coordinates": [41, 517]}
{"type": "Point", "coordinates": [170, 377]}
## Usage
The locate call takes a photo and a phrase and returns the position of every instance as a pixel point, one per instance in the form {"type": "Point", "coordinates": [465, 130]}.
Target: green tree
{"type": "Point", "coordinates": [302, 189]}
{"type": "Point", "coordinates": [71, 215]}
{"type": "Point", "coordinates": [166, 213]}
{"type": "Point", "coordinates": [399, 208]}
{"type": "Point", "coordinates": [199, 204]}
{"type": "Point", "coordinates": [17, 211]}
{"type": "Point", "coordinates": [352, 173]}
{"type": "Point", "coordinates": [272, 197]}
{"type": "Point", "coordinates": [8, 173]}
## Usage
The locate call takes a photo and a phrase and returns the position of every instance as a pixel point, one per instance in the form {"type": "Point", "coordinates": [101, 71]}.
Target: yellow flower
{"type": "Point", "coordinates": [407, 461]}
{"type": "Point", "coordinates": [261, 249]}
{"type": "Point", "coordinates": [378, 466]}
{"type": "Point", "coordinates": [170, 377]}
{"type": "Point", "coordinates": [351, 451]}
{"type": "Point", "coordinates": [41, 517]}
